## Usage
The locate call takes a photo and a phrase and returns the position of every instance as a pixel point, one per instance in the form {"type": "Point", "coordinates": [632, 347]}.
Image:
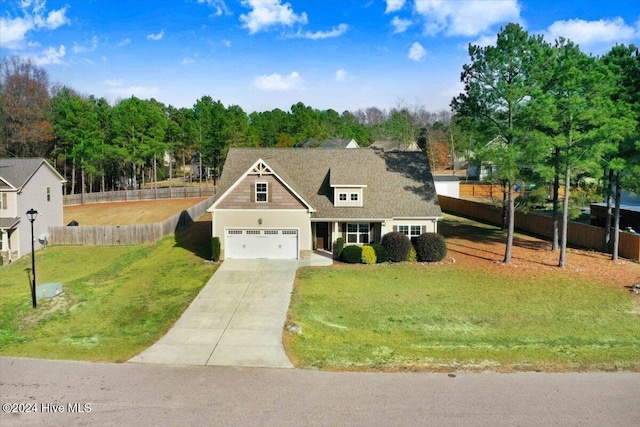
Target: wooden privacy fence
{"type": "Point", "coordinates": [127, 234]}
{"type": "Point", "coordinates": [578, 235]}
{"type": "Point", "coordinates": [136, 195]}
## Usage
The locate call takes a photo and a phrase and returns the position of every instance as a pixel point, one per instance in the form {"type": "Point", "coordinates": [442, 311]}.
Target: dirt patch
{"type": "Point", "coordinates": [479, 246]}
{"type": "Point", "coordinates": [127, 213]}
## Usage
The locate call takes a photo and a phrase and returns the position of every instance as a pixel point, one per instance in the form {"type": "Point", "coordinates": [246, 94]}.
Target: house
{"type": "Point", "coordinates": [27, 183]}
{"type": "Point", "coordinates": [482, 171]}
{"type": "Point", "coordinates": [392, 145]}
{"type": "Point", "coordinates": [286, 202]}
{"type": "Point", "coordinates": [331, 143]}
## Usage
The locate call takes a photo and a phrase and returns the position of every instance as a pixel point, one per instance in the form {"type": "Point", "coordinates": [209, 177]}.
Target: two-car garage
{"type": "Point", "coordinates": [241, 243]}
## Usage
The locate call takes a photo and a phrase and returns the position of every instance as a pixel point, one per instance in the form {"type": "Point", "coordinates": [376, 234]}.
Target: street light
{"type": "Point", "coordinates": [32, 214]}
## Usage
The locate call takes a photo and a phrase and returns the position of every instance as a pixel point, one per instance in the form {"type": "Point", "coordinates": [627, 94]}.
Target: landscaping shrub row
{"type": "Point", "coordinates": [395, 247]}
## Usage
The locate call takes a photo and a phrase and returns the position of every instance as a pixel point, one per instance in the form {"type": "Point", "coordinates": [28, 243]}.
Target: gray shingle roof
{"type": "Point", "coordinates": [8, 223]}
{"type": "Point", "coordinates": [389, 145]}
{"type": "Point", "coordinates": [329, 143]}
{"type": "Point", "coordinates": [17, 171]}
{"type": "Point", "coordinates": [398, 184]}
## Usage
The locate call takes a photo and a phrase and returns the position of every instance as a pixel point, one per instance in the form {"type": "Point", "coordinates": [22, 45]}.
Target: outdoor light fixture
{"type": "Point", "coordinates": [259, 221]}
{"type": "Point", "coordinates": [32, 214]}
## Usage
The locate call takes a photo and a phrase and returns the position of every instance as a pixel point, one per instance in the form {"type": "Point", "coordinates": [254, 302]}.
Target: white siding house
{"type": "Point", "coordinates": [27, 183]}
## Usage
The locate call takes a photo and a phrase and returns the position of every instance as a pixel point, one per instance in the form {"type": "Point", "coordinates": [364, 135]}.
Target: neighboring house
{"type": "Point", "coordinates": [27, 183]}
{"type": "Point", "coordinates": [286, 202]}
{"type": "Point", "coordinates": [482, 171]}
{"type": "Point", "coordinates": [447, 185]}
{"type": "Point", "coordinates": [331, 143]}
{"type": "Point", "coordinates": [388, 145]}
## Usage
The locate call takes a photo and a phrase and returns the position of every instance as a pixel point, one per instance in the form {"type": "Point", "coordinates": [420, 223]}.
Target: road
{"type": "Point", "coordinates": [139, 394]}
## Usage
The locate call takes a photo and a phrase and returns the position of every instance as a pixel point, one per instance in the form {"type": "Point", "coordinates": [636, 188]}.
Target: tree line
{"type": "Point", "coordinates": [137, 142]}
{"type": "Point", "coordinates": [560, 115]}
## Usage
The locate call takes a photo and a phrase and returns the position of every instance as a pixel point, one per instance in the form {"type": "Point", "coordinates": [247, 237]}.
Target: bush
{"type": "Point", "coordinates": [430, 247]}
{"type": "Point", "coordinates": [368, 255]}
{"type": "Point", "coordinates": [215, 249]}
{"type": "Point", "coordinates": [351, 254]}
{"type": "Point", "coordinates": [397, 246]}
{"type": "Point", "coordinates": [413, 257]}
{"type": "Point", "coordinates": [338, 247]}
{"type": "Point", "coordinates": [381, 253]}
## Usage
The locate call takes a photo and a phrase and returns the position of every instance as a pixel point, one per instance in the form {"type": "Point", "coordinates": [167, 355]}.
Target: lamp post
{"type": "Point", "coordinates": [32, 214]}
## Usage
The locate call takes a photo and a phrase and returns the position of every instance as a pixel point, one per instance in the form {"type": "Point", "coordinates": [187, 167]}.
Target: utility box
{"type": "Point", "coordinates": [48, 290]}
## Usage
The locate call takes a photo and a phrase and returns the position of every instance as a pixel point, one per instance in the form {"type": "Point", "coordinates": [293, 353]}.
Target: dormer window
{"type": "Point", "coordinates": [343, 197]}
{"type": "Point", "coordinates": [354, 197]}
{"type": "Point", "coordinates": [262, 192]}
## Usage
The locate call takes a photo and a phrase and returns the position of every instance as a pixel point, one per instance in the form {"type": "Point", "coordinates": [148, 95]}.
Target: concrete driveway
{"type": "Point", "coordinates": [236, 320]}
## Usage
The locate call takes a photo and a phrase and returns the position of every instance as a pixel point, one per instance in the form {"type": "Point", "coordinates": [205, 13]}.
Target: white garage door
{"type": "Point", "coordinates": [254, 244]}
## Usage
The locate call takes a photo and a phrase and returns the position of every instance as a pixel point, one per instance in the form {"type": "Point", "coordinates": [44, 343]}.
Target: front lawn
{"type": "Point", "coordinates": [117, 300]}
{"type": "Point", "coordinates": [471, 314]}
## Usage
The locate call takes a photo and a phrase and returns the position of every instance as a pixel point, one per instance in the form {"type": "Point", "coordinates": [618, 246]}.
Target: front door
{"type": "Point", "coordinates": [322, 235]}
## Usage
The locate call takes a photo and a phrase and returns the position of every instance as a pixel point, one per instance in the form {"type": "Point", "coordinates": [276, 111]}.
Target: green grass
{"type": "Point", "coordinates": [117, 300]}
{"type": "Point", "coordinates": [442, 317]}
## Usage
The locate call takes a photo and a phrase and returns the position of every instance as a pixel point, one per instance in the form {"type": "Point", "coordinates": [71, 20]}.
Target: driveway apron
{"type": "Point", "coordinates": [236, 320]}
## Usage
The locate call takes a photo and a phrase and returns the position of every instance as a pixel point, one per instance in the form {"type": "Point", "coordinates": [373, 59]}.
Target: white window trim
{"type": "Point", "coordinates": [357, 233]}
{"type": "Point", "coordinates": [409, 232]}
{"type": "Point", "coordinates": [265, 192]}
{"type": "Point", "coordinates": [351, 199]}
{"type": "Point", "coordinates": [340, 197]}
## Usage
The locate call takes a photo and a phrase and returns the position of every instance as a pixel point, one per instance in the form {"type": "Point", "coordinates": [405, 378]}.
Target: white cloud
{"type": "Point", "coordinates": [342, 75]}
{"type": "Point", "coordinates": [123, 42]}
{"type": "Point", "coordinates": [187, 61]}
{"type": "Point", "coordinates": [400, 25]}
{"type": "Point", "coordinates": [268, 13]}
{"type": "Point", "coordinates": [468, 18]}
{"type": "Point", "coordinates": [417, 52]}
{"type": "Point", "coordinates": [13, 30]}
{"type": "Point", "coordinates": [87, 47]}
{"type": "Point", "coordinates": [588, 32]}
{"type": "Point", "coordinates": [158, 36]}
{"type": "Point", "coordinates": [334, 32]}
{"type": "Point", "coordinates": [484, 41]}
{"type": "Point", "coordinates": [116, 88]}
{"type": "Point", "coordinates": [113, 82]}
{"type": "Point", "coordinates": [56, 18]}
{"type": "Point", "coordinates": [279, 82]}
{"type": "Point", "coordinates": [226, 43]}
{"type": "Point", "coordinates": [219, 6]}
{"type": "Point", "coordinates": [394, 5]}
{"type": "Point", "coordinates": [50, 56]}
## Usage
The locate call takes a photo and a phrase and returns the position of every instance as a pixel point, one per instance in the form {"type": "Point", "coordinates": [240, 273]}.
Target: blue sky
{"type": "Point", "coordinates": [266, 54]}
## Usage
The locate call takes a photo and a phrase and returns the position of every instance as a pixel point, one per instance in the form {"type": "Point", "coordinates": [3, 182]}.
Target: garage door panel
{"type": "Point", "coordinates": [255, 244]}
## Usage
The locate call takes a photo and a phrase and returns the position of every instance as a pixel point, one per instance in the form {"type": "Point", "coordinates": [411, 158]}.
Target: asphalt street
{"type": "Point", "coordinates": [79, 393]}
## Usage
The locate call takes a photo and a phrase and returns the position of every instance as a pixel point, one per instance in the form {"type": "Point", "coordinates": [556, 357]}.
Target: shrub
{"type": "Point", "coordinates": [338, 247]}
{"type": "Point", "coordinates": [430, 247]}
{"type": "Point", "coordinates": [368, 255]}
{"type": "Point", "coordinates": [397, 246]}
{"type": "Point", "coordinates": [413, 257]}
{"type": "Point", "coordinates": [381, 253]}
{"type": "Point", "coordinates": [215, 249]}
{"type": "Point", "coordinates": [351, 254]}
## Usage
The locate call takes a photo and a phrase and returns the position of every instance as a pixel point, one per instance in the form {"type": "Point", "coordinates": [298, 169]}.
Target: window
{"type": "Point", "coordinates": [358, 233]}
{"type": "Point", "coordinates": [48, 194]}
{"type": "Point", "coordinates": [343, 197]}
{"type": "Point", "coordinates": [354, 197]}
{"type": "Point", "coordinates": [261, 192]}
{"type": "Point", "coordinates": [411, 231]}
{"type": "Point", "coordinates": [3, 201]}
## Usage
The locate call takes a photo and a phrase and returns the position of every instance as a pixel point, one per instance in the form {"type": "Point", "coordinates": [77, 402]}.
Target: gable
{"type": "Point", "coordinates": [242, 190]}
{"type": "Point", "coordinates": [242, 196]}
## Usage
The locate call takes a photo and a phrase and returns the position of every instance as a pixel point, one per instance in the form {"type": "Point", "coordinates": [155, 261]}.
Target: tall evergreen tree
{"type": "Point", "coordinates": [497, 88]}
